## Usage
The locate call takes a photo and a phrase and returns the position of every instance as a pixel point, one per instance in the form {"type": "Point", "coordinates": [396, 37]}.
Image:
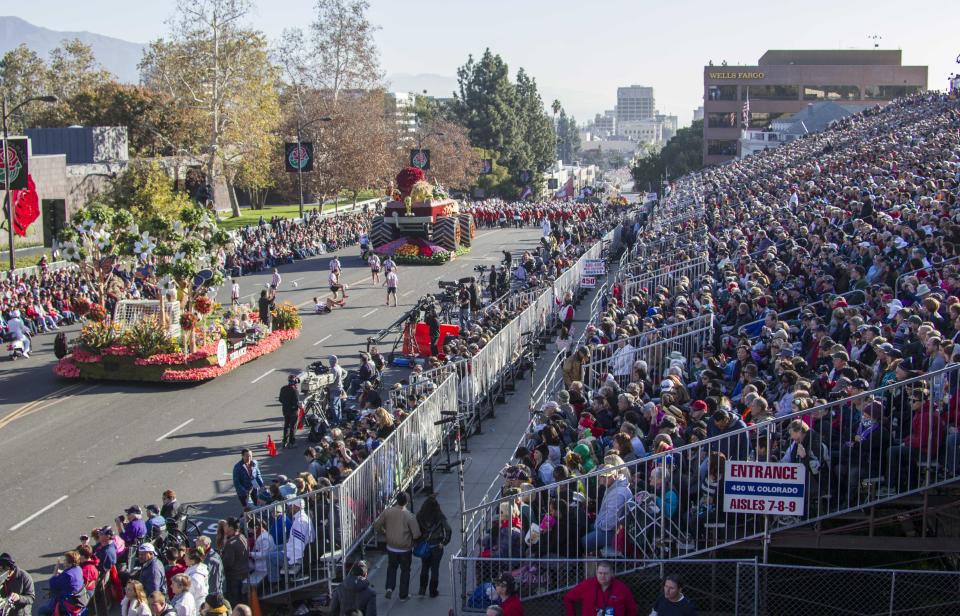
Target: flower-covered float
{"type": "Point", "coordinates": [421, 225]}
{"type": "Point", "coordinates": [183, 335]}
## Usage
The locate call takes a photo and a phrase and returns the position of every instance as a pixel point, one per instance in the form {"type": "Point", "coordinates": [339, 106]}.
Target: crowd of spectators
{"type": "Point", "coordinates": [833, 272]}
{"type": "Point", "coordinates": [280, 241]}
{"type": "Point", "coordinates": [498, 213]}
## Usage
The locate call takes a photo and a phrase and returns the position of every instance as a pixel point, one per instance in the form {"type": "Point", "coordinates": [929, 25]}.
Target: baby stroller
{"type": "Point", "coordinates": [650, 535]}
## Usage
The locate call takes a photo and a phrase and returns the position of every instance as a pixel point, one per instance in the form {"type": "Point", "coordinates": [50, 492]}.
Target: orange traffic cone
{"type": "Point", "coordinates": [300, 417]}
{"type": "Point", "coordinates": [271, 447]}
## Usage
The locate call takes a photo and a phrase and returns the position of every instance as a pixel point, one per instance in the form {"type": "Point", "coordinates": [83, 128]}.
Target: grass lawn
{"type": "Point", "coordinates": [251, 217]}
{"type": "Point", "coordinates": [24, 261]}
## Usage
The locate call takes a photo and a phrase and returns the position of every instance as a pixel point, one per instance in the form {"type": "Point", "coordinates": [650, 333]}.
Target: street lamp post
{"type": "Point", "coordinates": [300, 128]}
{"type": "Point", "coordinates": [7, 201]}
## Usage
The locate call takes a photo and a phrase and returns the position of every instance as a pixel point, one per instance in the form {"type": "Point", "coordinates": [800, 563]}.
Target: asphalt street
{"type": "Point", "coordinates": [73, 455]}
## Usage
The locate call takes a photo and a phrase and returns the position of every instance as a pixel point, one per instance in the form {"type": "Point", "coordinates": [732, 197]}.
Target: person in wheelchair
{"type": "Point", "coordinates": [156, 524]}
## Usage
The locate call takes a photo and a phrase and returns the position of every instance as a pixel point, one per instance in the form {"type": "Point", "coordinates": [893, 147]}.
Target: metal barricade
{"type": "Point", "coordinates": [653, 507]}
{"type": "Point", "coordinates": [326, 526]}
{"type": "Point", "coordinates": [898, 289]}
{"type": "Point", "coordinates": [657, 347]}
{"type": "Point", "coordinates": [669, 277]}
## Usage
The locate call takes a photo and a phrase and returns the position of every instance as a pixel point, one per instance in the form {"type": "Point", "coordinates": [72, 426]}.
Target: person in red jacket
{"type": "Point", "coordinates": [602, 595]}
{"type": "Point", "coordinates": [509, 599]}
{"type": "Point", "coordinates": [923, 442]}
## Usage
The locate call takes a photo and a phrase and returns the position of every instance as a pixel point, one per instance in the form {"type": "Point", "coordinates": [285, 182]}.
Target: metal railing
{"type": "Point", "coordinates": [657, 347]}
{"type": "Point", "coordinates": [668, 277]}
{"type": "Point", "coordinates": [898, 286]}
{"type": "Point", "coordinates": [310, 546]}
{"type": "Point", "coordinates": [729, 587]}
{"type": "Point", "coordinates": [670, 504]}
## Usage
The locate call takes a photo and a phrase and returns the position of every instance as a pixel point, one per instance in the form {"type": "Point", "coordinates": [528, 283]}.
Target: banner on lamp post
{"type": "Point", "coordinates": [14, 164]}
{"type": "Point", "coordinates": [298, 157]}
{"type": "Point", "coordinates": [420, 159]}
{"type": "Point", "coordinates": [486, 166]}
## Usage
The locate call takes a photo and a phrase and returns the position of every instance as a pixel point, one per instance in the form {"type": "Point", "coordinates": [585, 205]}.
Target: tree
{"type": "Point", "coordinates": [505, 118]}
{"type": "Point", "coordinates": [217, 71]}
{"type": "Point", "coordinates": [454, 163]}
{"type": "Point", "coordinates": [22, 74]}
{"type": "Point", "coordinates": [681, 155]}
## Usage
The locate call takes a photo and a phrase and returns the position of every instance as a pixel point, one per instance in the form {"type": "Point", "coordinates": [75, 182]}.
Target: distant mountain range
{"type": "Point", "coordinates": [117, 56]}
{"type": "Point", "coordinates": [438, 86]}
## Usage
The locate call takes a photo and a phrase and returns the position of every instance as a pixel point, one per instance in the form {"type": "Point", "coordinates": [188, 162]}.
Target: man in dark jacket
{"type": "Point", "coordinates": [18, 587]}
{"type": "Point", "coordinates": [265, 308]}
{"type": "Point", "coordinates": [236, 564]}
{"type": "Point", "coordinates": [290, 402]}
{"type": "Point", "coordinates": [247, 478]}
{"type": "Point", "coordinates": [355, 593]}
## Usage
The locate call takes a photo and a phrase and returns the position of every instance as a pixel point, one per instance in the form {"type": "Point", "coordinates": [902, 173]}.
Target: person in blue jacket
{"type": "Point", "coordinates": [247, 479]}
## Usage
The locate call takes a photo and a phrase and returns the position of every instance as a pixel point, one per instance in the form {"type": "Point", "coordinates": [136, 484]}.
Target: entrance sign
{"type": "Point", "coordinates": [594, 267]}
{"type": "Point", "coordinates": [764, 488]}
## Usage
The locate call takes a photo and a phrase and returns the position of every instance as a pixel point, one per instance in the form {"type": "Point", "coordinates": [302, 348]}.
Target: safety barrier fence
{"type": "Point", "coordinates": [753, 328]}
{"type": "Point", "coordinates": [684, 335]}
{"type": "Point", "coordinates": [719, 587]}
{"type": "Point", "coordinates": [334, 521]}
{"type": "Point", "coordinates": [659, 348]}
{"type": "Point", "coordinates": [672, 504]}
{"type": "Point", "coordinates": [668, 277]}
{"type": "Point", "coordinates": [900, 289]}
{"type": "Point", "coordinates": [485, 373]}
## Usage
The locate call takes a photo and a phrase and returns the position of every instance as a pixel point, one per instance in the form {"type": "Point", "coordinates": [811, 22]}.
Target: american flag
{"type": "Point", "coordinates": [746, 112]}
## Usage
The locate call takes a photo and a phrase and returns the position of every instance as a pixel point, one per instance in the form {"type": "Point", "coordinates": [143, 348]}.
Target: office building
{"type": "Point", "coordinates": [785, 81]}
{"type": "Point", "coordinates": [635, 103]}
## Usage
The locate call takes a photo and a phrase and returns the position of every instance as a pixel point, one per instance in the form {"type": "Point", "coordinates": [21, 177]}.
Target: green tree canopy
{"type": "Point", "coordinates": [681, 155]}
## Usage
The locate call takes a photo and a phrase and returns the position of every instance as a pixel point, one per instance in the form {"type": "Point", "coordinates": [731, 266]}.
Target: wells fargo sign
{"type": "Point", "coordinates": [735, 75]}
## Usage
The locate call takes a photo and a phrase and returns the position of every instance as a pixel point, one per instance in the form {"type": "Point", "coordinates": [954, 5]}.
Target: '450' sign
{"type": "Point", "coordinates": [13, 164]}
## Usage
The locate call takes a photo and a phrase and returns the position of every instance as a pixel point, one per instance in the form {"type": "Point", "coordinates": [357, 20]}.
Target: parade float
{"type": "Point", "coordinates": [182, 336]}
{"type": "Point", "coordinates": [421, 224]}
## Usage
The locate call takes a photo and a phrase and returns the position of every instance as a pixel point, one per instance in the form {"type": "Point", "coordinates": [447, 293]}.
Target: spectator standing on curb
{"type": "Point", "coordinates": [235, 557]}
{"type": "Point", "coordinates": [355, 593]}
{"type": "Point", "coordinates": [602, 595]}
{"type": "Point", "coordinates": [401, 530]}
{"type": "Point", "coordinates": [17, 588]}
{"type": "Point", "coordinates": [672, 602]}
{"type": "Point", "coordinates": [436, 532]}
{"type": "Point", "coordinates": [247, 479]}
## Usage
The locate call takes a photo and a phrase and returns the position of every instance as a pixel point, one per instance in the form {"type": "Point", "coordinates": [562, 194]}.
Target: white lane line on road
{"type": "Point", "coordinates": [406, 293]}
{"type": "Point", "coordinates": [187, 422]}
{"type": "Point", "coordinates": [321, 341]}
{"type": "Point", "coordinates": [369, 313]}
{"type": "Point", "coordinates": [267, 373]}
{"type": "Point", "coordinates": [39, 513]}
{"type": "Point", "coordinates": [438, 277]}
{"type": "Point", "coordinates": [358, 281]}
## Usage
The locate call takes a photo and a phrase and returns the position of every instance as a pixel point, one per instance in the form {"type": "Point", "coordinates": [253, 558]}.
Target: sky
{"type": "Point", "coordinates": [580, 52]}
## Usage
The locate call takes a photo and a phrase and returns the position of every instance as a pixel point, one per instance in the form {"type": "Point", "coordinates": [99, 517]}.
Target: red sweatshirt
{"type": "Point", "coordinates": [593, 598]}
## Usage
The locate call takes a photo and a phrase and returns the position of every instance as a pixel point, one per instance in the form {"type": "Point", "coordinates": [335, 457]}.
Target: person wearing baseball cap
{"type": "Point", "coordinates": [151, 574]}
{"type": "Point", "coordinates": [132, 529]}
{"type": "Point", "coordinates": [290, 404]}
{"type": "Point", "coordinates": [17, 588]}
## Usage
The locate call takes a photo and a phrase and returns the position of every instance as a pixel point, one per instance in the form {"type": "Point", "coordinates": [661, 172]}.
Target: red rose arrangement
{"type": "Point", "coordinates": [97, 313]}
{"type": "Point", "coordinates": [188, 321]}
{"type": "Point", "coordinates": [407, 177]}
{"type": "Point", "coordinates": [203, 305]}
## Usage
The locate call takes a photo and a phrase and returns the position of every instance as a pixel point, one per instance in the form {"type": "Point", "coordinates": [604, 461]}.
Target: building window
{"type": "Point", "coordinates": [722, 147]}
{"type": "Point", "coordinates": [721, 93]}
{"type": "Point", "coordinates": [762, 119]}
{"type": "Point", "coordinates": [772, 93]}
{"type": "Point", "coordinates": [885, 93]}
{"type": "Point", "coordinates": [831, 93]}
{"type": "Point", "coordinates": [722, 120]}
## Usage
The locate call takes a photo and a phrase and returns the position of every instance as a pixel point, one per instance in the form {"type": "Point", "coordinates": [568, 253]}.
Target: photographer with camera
{"type": "Point", "coordinates": [433, 325]}
{"type": "Point", "coordinates": [17, 587]}
{"type": "Point", "coordinates": [290, 402]}
{"type": "Point", "coordinates": [463, 302]}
